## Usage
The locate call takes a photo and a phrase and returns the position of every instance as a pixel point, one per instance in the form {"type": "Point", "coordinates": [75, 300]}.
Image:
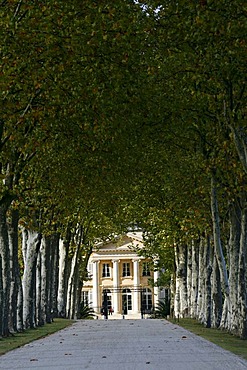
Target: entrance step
{"type": "Point", "coordinates": [116, 316]}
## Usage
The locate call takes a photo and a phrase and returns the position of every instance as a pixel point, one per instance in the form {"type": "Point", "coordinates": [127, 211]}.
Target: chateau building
{"type": "Point", "coordinates": [118, 271]}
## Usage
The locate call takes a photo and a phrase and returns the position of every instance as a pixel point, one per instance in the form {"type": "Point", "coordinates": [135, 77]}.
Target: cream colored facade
{"type": "Point", "coordinates": [116, 269]}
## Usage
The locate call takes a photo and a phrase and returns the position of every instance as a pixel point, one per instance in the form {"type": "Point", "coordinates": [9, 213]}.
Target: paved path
{"type": "Point", "coordinates": [122, 345]}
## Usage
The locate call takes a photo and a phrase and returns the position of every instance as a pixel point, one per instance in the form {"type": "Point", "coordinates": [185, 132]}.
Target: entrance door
{"type": "Point", "coordinates": [109, 299]}
{"type": "Point", "coordinates": [126, 301]}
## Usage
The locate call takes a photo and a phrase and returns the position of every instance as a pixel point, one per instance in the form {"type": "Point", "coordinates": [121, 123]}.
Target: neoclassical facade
{"type": "Point", "coordinates": [117, 270]}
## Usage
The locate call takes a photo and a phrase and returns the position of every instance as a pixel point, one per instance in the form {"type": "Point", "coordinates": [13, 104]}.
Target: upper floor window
{"type": "Point", "coordinates": [145, 269]}
{"type": "Point", "coordinates": [106, 270]}
{"type": "Point", "coordinates": [126, 269]}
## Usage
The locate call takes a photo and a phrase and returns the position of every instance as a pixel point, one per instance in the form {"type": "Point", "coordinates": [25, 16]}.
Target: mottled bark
{"type": "Point", "coordinates": [173, 293]}
{"type": "Point", "coordinates": [63, 273]}
{"type": "Point", "coordinates": [189, 280]}
{"type": "Point", "coordinates": [181, 297]}
{"type": "Point", "coordinates": [39, 307]}
{"type": "Point", "coordinates": [6, 276]}
{"type": "Point", "coordinates": [46, 278]}
{"type": "Point", "coordinates": [217, 238]}
{"type": "Point", "coordinates": [29, 279]}
{"type": "Point", "coordinates": [242, 273]}
{"type": "Point", "coordinates": [1, 297]}
{"type": "Point", "coordinates": [208, 286]}
{"type": "Point", "coordinates": [240, 140]}
{"type": "Point", "coordinates": [195, 277]}
{"type": "Point", "coordinates": [20, 324]}
{"type": "Point", "coordinates": [216, 295]}
{"type": "Point", "coordinates": [201, 281]}
{"type": "Point", "coordinates": [220, 256]}
{"type": "Point", "coordinates": [54, 274]}
{"type": "Point", "coordinates": [233, 256]}
{"type": "Point", "coordinates": [14, 268]}
{"type": "Point", "coordinates": [72, 284]}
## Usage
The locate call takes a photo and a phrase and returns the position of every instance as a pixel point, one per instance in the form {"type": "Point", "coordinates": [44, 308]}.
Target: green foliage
{"type": "Point", "coordinates": [197, 73]}
{"type": "Point", "coordinates": [162, 309]}
{"type": "Point", "coordinates": [85, 312]}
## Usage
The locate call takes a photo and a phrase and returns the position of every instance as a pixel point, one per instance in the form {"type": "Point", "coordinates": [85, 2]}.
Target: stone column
{"type": "Point", "coordinates": [136, 280]}
{"type": "Point", "coordinates": [156, 289]}
{"type": "Point", "coordinates": [96, 286]}
{"type": "Point", "coordinates": [115, 294]}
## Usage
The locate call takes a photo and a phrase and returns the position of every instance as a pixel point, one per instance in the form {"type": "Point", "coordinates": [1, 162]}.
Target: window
{"type": "Point", "coordinates": [145, 269]}
{"type": "Point", "coordinates": [109, 298]}
{"type": "Point", "coordinates": [146, 299]}
{"type": "Point", "coordinates": [126, 269]}
{"type": "Point", "coordinates": [164, 294]}
{"type": "Point", "coordinates": [106, 270]}
{"type": "Point", "coordinates": [85, 298]}
{"type": "Point", "coordinates": [126, 301]}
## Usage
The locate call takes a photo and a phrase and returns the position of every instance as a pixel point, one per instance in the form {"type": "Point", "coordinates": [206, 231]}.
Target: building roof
{"type": "Point", "coordinates": [125, 245]}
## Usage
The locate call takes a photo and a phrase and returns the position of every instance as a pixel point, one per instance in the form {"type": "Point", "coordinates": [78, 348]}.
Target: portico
{"type": "Point", "coordinates": [117, 269]}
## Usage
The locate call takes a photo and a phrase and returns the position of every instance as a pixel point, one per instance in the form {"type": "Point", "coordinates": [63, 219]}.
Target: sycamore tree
{"type": "Point", "coordinates": [199, 75]}
{"type": "Point", "coordinates": [127, 111]}
{"type": "Point", "coordinates": [68, 71]}
{"type": "Point", "coordinates": [57, 72]}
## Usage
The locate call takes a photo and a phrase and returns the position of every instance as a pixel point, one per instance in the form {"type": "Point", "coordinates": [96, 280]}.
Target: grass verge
{"type": "Point", "coordinates": [19, 339]}
{"type": "Point", "coordinates": [216, 336]}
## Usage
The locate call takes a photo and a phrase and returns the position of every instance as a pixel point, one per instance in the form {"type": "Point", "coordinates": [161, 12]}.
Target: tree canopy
{"type": "Point", "coordinates": [119, 114]}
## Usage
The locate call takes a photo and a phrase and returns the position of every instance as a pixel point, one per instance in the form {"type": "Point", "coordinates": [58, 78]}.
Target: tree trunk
{"type": "Point", "coordinates": [195, 278]}
{"type": "Point", "coordinates": [216, 295]}
{"type": "Point", "coordinates": [233, 257]}
{"type": "Point", "coordinates": [20, 324]}
{"type": "Point", "coordinates": [242, 273]}
{"type": "Point", "coordinates": [181, 298]}
{"type": "Point", "coordinates": [6, 276]}
{"type": "Point", "coordinates": [201, 282]}
{"type": "Point", "coordinates": [39, 307]}
{"type": "Point", "coordinates": [45, 278]}
{"type": "Point", "coordinates": [54, 274]}
{"type": "Point", "coordinates": [173, 293]}
{"type": "Point", "coordinates": [220, 256]}
{"type": "Point", "coordinates": [28, 281]}
{"type": "Point", "coordinates": [208, 287]}
{"type": "Point", "coordinates": [72, 284]}
{"type": "Point", "coordinates": [14, 268]}
{"type": "Point", "coordinates": [240, 141]}
{"type": "Point", "coordinates": [189, 280]}
{"type": "Point", "coordinates": [1, 297]}
{"type": "Point", "coordinates": [74, 275]}
{"type": "Point", "coordinates": [63, 273]}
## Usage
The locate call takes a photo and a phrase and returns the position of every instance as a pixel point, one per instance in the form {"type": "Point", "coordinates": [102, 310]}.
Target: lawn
{"type": "Point", "coordinates": [216, 336]}
{"type": "Point", "coordinates": [19, 339]}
